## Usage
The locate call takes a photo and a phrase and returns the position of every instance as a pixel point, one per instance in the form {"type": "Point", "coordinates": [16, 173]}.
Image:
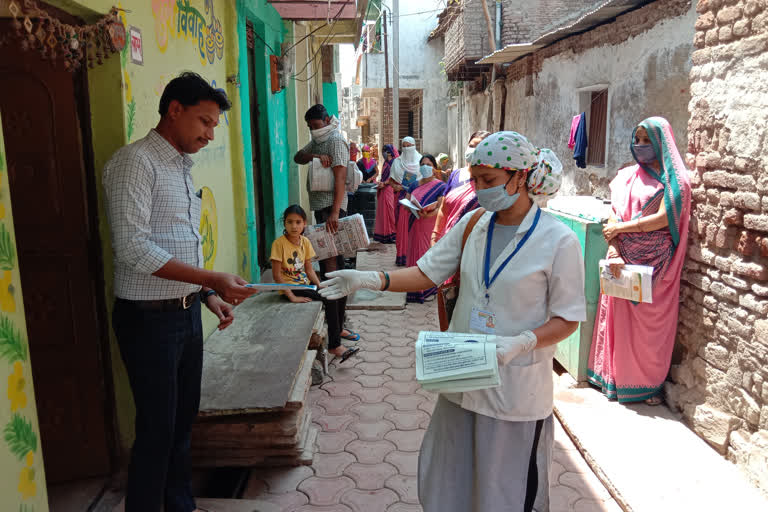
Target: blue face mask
{"type": "Point", "coordinates": [496, 199]}
{"type": "Point", "coordinates": [426, 171]}
{"type": "Point", "coordinates": [644, 153]}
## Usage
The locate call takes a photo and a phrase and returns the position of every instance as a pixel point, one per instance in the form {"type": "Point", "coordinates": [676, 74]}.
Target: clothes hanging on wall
{"type": "Point", "coordinates": [574, 126]}
{"type": "Point", "coordinates": [580, 150]}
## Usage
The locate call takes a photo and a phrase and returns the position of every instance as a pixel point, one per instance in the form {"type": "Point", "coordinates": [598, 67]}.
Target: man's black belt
{"type": "Point", "coordinates": [165, 304]}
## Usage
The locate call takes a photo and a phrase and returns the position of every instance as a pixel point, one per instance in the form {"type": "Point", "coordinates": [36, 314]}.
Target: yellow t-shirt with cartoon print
{"type": "Point", "coordinates": [293, 258]}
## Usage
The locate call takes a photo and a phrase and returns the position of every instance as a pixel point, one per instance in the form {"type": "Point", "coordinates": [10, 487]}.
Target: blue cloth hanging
{"type": "Point", "coordinates": [580, 151]}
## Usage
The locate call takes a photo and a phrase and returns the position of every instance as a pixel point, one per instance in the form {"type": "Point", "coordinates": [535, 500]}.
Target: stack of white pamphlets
{"type": "Point", "coordinates": [449, 362]}
{"type": "Point", "coordinates": [634, 283]}
{"type": "Point", "coordinates": [351, 236]}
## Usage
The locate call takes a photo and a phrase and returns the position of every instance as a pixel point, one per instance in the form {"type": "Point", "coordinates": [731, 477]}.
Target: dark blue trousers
{"type": "Point", "coordinates": [163, 354]}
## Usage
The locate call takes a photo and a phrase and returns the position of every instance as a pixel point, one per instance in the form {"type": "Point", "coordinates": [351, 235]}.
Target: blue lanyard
{"type": "Point", "coordinates": [487, 268]}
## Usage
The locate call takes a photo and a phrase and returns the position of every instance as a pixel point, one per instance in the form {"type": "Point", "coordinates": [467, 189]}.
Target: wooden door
{"type": "Point", "coordinates": [59, 260]}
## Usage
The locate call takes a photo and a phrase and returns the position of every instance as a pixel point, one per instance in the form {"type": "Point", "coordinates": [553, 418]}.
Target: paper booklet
{"type": "Point", "coordinates": [415, 206]}
{"type": "Point", "coordinates": [270, 287]}
{"type": "Point", "coordinates": [448, 362]}
{"type": "Point", "coordinates": [634, 283]}
{"type": "Point", "coordinates": [351, 237]}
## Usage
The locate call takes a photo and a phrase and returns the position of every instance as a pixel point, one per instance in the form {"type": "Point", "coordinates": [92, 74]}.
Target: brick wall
{"type": "Point", "coordinates": [467, 38]}
{"type": "Point", "coordinates": [721, 381]}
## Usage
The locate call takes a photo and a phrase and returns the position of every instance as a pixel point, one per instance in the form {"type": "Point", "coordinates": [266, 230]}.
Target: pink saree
{"type": "Point", "coordinates": [632, 342]}
{"type": "Point", "coordinates": [420, 233]}
{"type": "Point", "coordinates": [384, 229]}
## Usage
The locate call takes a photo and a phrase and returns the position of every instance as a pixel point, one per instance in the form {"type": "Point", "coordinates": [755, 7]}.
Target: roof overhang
{"type": "Point", "coordinates": [306, 10]}
{"type": "Point", "coordinates": [603, 13]}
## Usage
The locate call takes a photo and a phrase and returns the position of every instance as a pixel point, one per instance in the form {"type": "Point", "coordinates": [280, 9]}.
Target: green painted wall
{"type": "Point", "coordinates": [22, 476]}
{"type": "Point", "coordinates": [272, 107]}
{"type": "Point", "coordinates": [331, 98]}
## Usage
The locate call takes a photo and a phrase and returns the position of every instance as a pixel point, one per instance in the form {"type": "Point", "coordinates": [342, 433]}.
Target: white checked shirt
{"type": "Point", "coordinates": [154, 214]}
{"type": "Point", "coordinates": [338, 149]}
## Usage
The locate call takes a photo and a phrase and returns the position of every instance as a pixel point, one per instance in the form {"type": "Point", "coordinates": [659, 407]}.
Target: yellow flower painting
{"type": "Point", "coordinates": [27, 486]}
{"type": "Point", "coordinates": [7, 301]}
{"type": "Point", "coordinates": [16, 384]}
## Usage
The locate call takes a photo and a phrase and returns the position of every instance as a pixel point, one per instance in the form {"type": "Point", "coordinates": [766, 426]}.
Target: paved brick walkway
{"type": "Point", "coordinates": [373, 415]}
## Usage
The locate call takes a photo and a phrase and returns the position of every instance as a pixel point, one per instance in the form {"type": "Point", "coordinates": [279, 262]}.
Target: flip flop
{"type": "Point", "coordinates": [352, 336]}
{"type": "Point", "coordinates": [349, 353]}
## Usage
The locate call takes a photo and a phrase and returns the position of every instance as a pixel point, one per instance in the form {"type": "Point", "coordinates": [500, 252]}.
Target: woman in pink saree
{"type": "Point", "coordinates": [632, 343]}
{"type": "Point", "coordinates": [430, 194]}
{"type": "Point", "coordinates": [384, 230]}
{"type": "Point", "coordinates": [403, 179]}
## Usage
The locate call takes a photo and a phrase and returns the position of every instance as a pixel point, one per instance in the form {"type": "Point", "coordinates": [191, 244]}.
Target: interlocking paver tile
{"type": "Point", "coordinates": [407, 463]}
{"type": "Point", "coordinates": [571, 460]}
{"type": "Point", "coordinates": [370, 477]}
{"type": "Point", "coordinates": [427, 394]}
{"type": "Point", "coordinates": [371, 431]}
{"type": "Point", "coordinates": [404, 507]}
{"type": "Point", "coordinates": [370, 452]}
{"type": "Point", "coordinates": [407, 420]}
{"type": "Point", "coordinates": [371, 412]}
{"type": "Point", "coordinates": [323, 508]}
{"type": "Point", "coordinates": [369, 501]}
{"type": "Point", "coordinates": [374, 357]}
{"type": "Point", "coordinates": [372, 395]}
{"type": "Point", "coordinates": [374, 345]}
{"type": "Point", "coordinates": [329, 465]}
{"type": "Point", "coordinates": [345, 373]}
{"type": "Point", "coordinates": [339, 389]}
{"type": "Point", "coordinates": [401, 374]}
{"type": "Point", "coordinates": [401, 341]}
{"type": "Point", "coordinates": [428, 406]}
{"type": "Point", "coordinates": [588, 485]}
{"type": "Point", "coordinates": [406, 440]}
{"type": "Point", "coordinates": [373, 368]}
{"type": "Point", "coordinates": [282, 480]}
{"type": "Point", "coordinates": [334, 442]}
{"type": "Point", "coordinates": [315, 395]}
{"type": "Point", "coordinates": [338, 405]}
{"type": "Point", "coordinates": [401, 361]}
{"type": "Point", "coordinates": [405, 402]}
{"type": "Point", "coordinates": [373, 381]}
{"type": "Point", "coordinates": [590, 505]}
{"type": "Point", "coordinates": [562, 498]}
{"type": "Point", "coordinates": [326, 491]}
{"type": "Point", "coordinates": [405, 487]}
{"type": "Point", "coordinates": [330, 423]}
{"type": "Point", "coordinates": [403, 387]}
{"type": "Point", "coordinates": [286, 501]}
{"type": "Point", "coordinates": [400, 351]}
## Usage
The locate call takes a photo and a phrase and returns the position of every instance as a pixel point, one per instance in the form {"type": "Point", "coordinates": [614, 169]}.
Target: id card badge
{"type": "Point", "coordinates": [482, 321]}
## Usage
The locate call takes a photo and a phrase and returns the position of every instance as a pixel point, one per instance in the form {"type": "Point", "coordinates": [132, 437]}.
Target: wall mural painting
{"type": "Point", "coordinates": [209, 227]}
{"type": "Point", "coordinates": [130, 101]}
{"type": "Point", "coordinates": [180, 20]}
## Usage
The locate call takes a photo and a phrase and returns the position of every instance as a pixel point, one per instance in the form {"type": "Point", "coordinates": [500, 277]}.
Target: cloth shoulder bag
{"type": "Point", "coordinates": [321, 179]}
{"type": "Point", "coordinates": [448, 293]}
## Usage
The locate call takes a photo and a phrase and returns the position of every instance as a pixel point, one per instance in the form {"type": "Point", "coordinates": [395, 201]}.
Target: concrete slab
{"type": "Point", "coordinates": [251, 366]}
{"type": "Point", "coordinates": [370, 299]}
{"type": "Point", "coordinates": [649, 459]}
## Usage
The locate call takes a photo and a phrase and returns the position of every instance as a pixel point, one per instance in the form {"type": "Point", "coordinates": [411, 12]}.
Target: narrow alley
{"type": "Point", "coordinates": [372, 415]}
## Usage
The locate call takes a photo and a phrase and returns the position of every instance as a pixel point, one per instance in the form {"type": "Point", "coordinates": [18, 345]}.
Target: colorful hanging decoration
{"type": "Point", "coordinates": [74, 45]}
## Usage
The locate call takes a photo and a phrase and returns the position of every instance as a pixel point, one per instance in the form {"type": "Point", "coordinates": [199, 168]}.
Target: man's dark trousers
{"type": "Point", "coordinates": [163, 354]}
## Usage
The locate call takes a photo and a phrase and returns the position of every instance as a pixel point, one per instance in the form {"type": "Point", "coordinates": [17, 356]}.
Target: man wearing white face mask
{"type": "Point", "coordinates": [522, 282]}
{"type": "Point", "coordinates": [330, 147]}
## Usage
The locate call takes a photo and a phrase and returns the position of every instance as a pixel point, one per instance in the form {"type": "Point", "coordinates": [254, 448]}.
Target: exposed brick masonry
{"type": "Point", "coordinates": [721, 384]}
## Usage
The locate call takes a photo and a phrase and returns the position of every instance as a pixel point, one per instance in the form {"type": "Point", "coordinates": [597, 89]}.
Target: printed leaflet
{"type": "Point", "coordinates": [450, 362]}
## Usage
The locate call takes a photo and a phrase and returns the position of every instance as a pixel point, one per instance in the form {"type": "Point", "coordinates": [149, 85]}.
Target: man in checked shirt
{"type": "Point", "coordinates": [329, 146]}
{"type": "Point", "coordinates": [154, 214]}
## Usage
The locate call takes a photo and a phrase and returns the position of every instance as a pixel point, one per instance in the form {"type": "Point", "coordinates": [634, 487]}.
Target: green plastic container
{"type": "Point", "coordinates": [573, 352]}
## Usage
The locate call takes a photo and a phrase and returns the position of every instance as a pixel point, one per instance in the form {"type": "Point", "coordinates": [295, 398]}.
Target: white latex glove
{"type": "Point", "coordinates": [509, 347]}
{"type": "Point", "coordinates": [346, 282]}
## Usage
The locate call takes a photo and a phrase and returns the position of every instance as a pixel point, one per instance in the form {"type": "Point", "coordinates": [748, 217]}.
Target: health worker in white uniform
{"type": "Point", "coordinates": [490, 450]}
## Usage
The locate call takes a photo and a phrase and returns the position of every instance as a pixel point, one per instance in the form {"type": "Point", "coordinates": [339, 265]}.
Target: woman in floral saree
{"type": "Point", "coordinates": [632, 343]}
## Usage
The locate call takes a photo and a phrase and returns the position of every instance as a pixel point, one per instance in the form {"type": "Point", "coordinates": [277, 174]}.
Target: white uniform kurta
{"type": "Point", "coordinates": [544, 280]}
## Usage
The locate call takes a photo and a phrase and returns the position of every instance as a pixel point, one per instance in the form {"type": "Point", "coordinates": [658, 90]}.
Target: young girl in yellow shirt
{"type": "Point", "coordinates": [291, 258]}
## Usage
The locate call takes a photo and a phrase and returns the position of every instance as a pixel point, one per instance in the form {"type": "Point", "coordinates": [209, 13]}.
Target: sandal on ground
{"type": "Point", "coordinates": [654, 400]}
{"type": "Point", "coordinates": [349, 353]}
{"type": "Point", "coordinates": [352, 336]}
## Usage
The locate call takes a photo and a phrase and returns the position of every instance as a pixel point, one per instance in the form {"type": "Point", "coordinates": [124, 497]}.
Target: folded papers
{"type": "Point", "coordinates": [448, 362]}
